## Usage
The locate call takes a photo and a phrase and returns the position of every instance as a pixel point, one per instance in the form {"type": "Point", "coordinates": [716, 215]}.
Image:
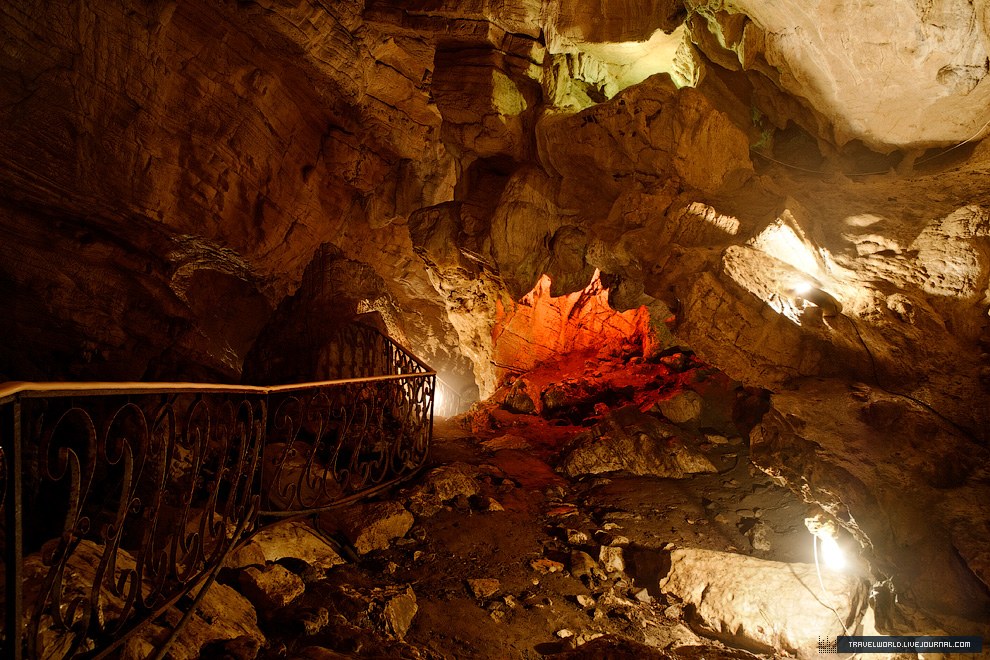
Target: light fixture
{"type": "Point", "coordinates": [825, 535]}
{"type": "Point", "coordinates": [833, 555]}
{"type": "Point", "coordinates": [805, 292]}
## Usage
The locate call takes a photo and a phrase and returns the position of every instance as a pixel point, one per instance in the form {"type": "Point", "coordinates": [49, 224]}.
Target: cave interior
{"type": "Point", "coordinates": [705, 285]}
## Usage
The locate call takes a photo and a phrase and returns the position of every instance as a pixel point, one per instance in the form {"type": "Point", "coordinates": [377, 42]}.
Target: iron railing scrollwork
{"type": "Point", "coordinates": [118, 500]}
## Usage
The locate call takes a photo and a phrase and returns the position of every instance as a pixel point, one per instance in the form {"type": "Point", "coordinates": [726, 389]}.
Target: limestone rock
{"type": "Point", "coordinates": [544, 566]}
{"type": "Point", "coordinates": [449, 481]}
{"type": "Point", "coordinates": [271, 587]}
{"type": "Point", "coordinates": [424, 504]}
{"type": "Point", "coordinates": [373, 526]}
{"type": "Point", "coordinates": [576, 537]}
{"type": "Point", "coordinates": [585, 601]}
{"type": "Point", "coordinates": [398, 612]}
{"type": "Point", "coordinates": [79, 576]}
{"type": "Point", "coordinates": [545, 324]}
{"type": "Point", "coordinates": [223, 614]}
{"type": "Point", "coordinates": [296, 539]}
{"type": "Point", "coordinates": [642, 131]}
{"type": "Point", "coordinates": [246, 554]}
{"type": "Point", "coordinates": [484, 587]}
{"type": "Point", "coordinates": [507, 441]}
{"type": "Point", "coordinates": [912, 93]}
{"type": "Point", "coordinates": [778, 605]}
{"type": "Point", "coordinates": [612, 559]}
{"type": "Point", "coordinates": [636, 443]}
{"type": "Point", "coordinates": [518, 400]}
{"type": "Point", "coordinates": [682, 408]}
{"type": "Point", "coordinates": [582, 564]}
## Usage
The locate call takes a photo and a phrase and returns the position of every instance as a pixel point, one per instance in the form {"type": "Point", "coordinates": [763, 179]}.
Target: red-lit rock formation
{"type": "Point", "coordinates": [541, 327]}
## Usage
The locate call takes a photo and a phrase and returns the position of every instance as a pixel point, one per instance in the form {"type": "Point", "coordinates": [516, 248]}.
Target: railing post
{"type": "Point", "coordinates": [11, 442]}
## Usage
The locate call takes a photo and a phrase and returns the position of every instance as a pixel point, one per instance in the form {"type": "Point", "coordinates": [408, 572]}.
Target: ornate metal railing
{"type": "Point", "coordinates": [118, 500]}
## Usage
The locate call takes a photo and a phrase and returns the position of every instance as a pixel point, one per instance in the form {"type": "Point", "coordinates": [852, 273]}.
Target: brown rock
{"type": "Point", "coordinates": [373, 526]}
{"type": "Point", "coordinates": [612, 559]}
{"type": "Point", "coordinates": [272, 587]}
{"type": "Point", "coordinates": [544, 566]}
{"type": "Point", "coordinates": [222, 615]}
{"type": "Point", "coordinates": [449, 481]}
{"type": "Point", "coordinates": [424, 504]}
{"type": "Point", "coordinates": [633, 442]}
{"type": "Point", "coordinates": [296, 539]}
{"type": "Point", "coordinates": [484, 587]}
{"type": "Point", "coordinates": [682, 408]}
{"type": "Point", "coordinates": [854, 463]}
{"type": "Point", "coordinates": [518, 399]}
{"type": "Point", "coordinates": [398, 612]}
{"type": "Point", "coordinates": [246, 554]}
{"type": "Point", "coordinates": [582, 564]}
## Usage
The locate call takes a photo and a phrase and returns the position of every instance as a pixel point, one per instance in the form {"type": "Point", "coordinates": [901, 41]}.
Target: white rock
{"type": "Point", "coordinates": [771, 603]}
{"type": "Point", "coordinates": [612, 559]}
{"type": "Point", "coordinates": [585, 601]}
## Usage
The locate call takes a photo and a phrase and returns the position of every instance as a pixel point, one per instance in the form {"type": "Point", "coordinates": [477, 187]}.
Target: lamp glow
{"type": "Point", "coordinates": [832, 554]}
{"type": "Point", "coordinates": [825, 537]}
{"type": "Point", "coordinates": [802, 288]}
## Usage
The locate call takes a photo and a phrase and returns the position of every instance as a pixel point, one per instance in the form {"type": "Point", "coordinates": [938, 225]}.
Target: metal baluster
{"type": "Point", "coordinates": [10, 444]}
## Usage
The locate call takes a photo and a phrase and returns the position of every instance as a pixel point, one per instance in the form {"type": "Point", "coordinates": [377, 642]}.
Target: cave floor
{"type": "Point", "coordinates": [519, 536]}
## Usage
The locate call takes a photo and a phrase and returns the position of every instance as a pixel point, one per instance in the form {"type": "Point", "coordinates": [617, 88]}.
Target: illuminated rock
{"type": "Point", "coordinates": [855, 460]}
{"type": "Point", "coordinates": [298, 540]}
{"type": "Point", "coordinates": [925, 71]}
{"type": "Point", "coordinates": [271, 587]}
{"type": "Point", "coordinates": [764, 604]}
{"type": "Point", "coordinates": [682, 408]}
{"type": "Point", "coordinates": [541, 327]}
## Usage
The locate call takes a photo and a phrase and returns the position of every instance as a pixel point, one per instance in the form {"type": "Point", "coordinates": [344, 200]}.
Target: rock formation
{"type": "Point", "coordinates": [795, 191]}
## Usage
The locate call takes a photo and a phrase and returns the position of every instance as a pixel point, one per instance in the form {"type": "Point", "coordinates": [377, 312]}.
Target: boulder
{"type": "Point", "coordinates": [484, 587]}
{"type": "Point", "coordinates": [633, 442]}
{"type": "Point", "coordinates": [682, 408]}
{"type": "Point", "coordinates": [762, 604]}
{"type": "Point", "coordinates": [398, 612]}
{"type": "Point", "coordinates": [271, 587]}
{"type": "Point", "coordinates": [449, 481]}
{"type": "Point", "coordinates": [296, 539]}
{"type": "Point", "coordinates": [373, 526]}
{"type": "Point", "coordinates": [222, 615]}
